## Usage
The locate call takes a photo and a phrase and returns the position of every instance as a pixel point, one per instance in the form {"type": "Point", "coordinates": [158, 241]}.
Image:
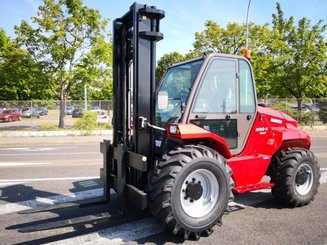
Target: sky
{"type": "Point", "coordinates": [182, 17]}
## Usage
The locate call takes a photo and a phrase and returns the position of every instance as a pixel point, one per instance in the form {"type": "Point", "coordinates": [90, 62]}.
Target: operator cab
{"type": "Point", "coordinates": [215, 92]}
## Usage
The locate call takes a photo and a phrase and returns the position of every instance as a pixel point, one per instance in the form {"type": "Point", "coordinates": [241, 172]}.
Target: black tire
{"type": "Point", "coordinates": [187, 178]}
{"type": "Point", "coordinates": [296, 176]}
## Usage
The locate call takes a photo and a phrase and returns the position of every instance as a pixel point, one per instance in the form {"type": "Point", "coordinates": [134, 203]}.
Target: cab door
{"type": "Point", "coordinates": [225, 101]}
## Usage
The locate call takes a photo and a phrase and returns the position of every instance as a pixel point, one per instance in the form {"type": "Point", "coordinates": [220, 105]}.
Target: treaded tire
{"type": "Point", "coordinates": [290, 188]}
{"type": "Point", "coordinates": [170, 200]}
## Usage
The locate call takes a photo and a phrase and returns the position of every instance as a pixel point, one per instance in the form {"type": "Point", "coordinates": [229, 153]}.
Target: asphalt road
{"type": "Point", "coordinates": [34, 176]}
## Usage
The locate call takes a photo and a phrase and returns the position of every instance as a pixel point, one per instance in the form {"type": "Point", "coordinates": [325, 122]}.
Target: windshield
{"type": "Point", "coordinates": [177, 83]}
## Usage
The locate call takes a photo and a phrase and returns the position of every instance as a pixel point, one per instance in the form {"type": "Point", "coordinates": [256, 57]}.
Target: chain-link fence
{"type": "Point", "coordinates": [307, 111]}
{"type": "Point", "coordinates": [54, 104]}
{"type": "Point", "coordinates": [42, 114]}
{"type": "Point", "coordinates": [312, 112]}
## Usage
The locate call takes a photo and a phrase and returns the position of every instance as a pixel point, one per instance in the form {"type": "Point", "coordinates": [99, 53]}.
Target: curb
{"type": "Point", "coordinates": [13, 134]}
{"type": "Point", "coordinates": [313, 128]}
{"type": "Point", "coordinates": [5, 134]}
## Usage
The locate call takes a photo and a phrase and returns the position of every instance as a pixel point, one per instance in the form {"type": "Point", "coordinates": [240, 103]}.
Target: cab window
{"type": "Point", "coordinates": [218, 90]}
{"type": "Point", "coordinates": [247, 95]}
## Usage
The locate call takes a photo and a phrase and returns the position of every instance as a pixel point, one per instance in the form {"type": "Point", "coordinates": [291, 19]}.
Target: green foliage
{"type": "Point", "coordinates": [105, 126]}
{"type": "Point", "coordinates": [166, 61]}
{"type": "Point", "coordinates": [298, 57]}
{"type": "Point", "coordinates": [48, 127]}
{"type": "Point", "coordinates": [302, 117]}
{"type": "Point", "coordinates": [20, 76]}
{"type": "Point", "coordinates": [322, 105]}
{"type": "Point", "coordinates": [69, 44]}
{"type": "Point", "coordinates": [289, 60]}
{"type": "Point", "coordinates": [88, 122]}
{"type": "Point", "coordinates": [220, 40]}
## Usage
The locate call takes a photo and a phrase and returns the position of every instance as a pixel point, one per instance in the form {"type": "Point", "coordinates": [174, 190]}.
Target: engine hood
{"type": "Point", "coordinates": [277, 118]}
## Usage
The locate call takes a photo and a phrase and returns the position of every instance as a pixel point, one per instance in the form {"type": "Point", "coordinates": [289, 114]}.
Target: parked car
{"type": "Point", "coordinates": [10, 115]}
{"type": "Point", "coordinates": [95, 108]}
{"type": "Point", "coordinates": [30, 112]}
{"type": "Point", "coordinates": [303, 107]}
{"type": "Point", "coordinates": [77, 112]}
{"type": "Point", "coordinates": [42, 110]}
{"type": "Point", "coordinates": [69, 110]}
{"type": "Point", "coordinates": [102, 116]}
{"type": "Point", "coordinates": [312, 107]}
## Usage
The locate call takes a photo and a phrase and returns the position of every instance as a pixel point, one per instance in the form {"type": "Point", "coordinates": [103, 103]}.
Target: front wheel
{"type": "Point", "coordinates": [190, 190]}
{"type": "Point", "coordinates": [296, 177]}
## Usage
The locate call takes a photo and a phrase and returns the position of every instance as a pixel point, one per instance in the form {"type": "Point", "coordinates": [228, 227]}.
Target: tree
{"type": "Point", "coordinates": [299, 61]}
{"type": "Point", "coordinates": [67, 41]}
{"type": "Point", "coordinates": [231, 40]}
{"type": "Point", "coordinates": [20, 76]}
{"type": "Point", "coordinates": [166, 61]}
{"type": "Point", "coordinates": [219, 40]}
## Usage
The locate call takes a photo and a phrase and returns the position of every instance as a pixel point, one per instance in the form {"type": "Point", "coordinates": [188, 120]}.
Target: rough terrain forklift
{"type": "Point", "coordinates": [184, 148]}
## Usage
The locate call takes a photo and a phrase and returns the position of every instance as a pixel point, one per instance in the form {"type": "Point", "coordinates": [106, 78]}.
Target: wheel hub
{"type": "Point", "coordinates": [194, 190]}
{"type": "Point", "coordinates": [304, 179]}
{"type": "Point", "coordinates": [302, 176]}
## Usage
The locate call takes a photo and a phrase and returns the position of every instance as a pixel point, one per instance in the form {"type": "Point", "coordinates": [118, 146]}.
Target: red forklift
{"type": "Point", "coordinates": [182, 149]}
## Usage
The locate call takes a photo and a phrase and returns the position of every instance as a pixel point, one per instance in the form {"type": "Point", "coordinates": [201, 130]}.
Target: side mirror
{"type": "Point", "coordinates": [163, 100]}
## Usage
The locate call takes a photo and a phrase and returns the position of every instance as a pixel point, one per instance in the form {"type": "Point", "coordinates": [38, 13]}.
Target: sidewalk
{"type": "Point", "coordinates": [77, 137]}
{"type": "Point", "coordinates": [52, 137]}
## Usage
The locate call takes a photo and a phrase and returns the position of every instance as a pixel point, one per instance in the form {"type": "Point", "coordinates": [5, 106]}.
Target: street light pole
{"type": "Point", "coordinates": [247, 52]}
{"type": "Point", "coordinates": [247, 25]}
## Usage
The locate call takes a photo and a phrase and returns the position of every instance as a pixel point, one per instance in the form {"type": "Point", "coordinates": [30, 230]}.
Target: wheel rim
{"type": "Point", "coordinates": [199, 193]}
{"type": "Point", "coordinates": [304, 179]}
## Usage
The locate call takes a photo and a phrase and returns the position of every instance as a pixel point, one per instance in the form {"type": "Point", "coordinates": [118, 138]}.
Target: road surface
{"type": "Point", "coordinates": [36, 175]}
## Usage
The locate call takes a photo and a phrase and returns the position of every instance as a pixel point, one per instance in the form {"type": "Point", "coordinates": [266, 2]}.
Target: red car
{"type": "Point", "coordinates": [10, 115]}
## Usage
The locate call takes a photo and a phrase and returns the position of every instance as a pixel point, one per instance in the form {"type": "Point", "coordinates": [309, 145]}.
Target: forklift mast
{"type": "Point", "coordinates": [128, 158]}
{"type": "Point", "coordinates": [134, 40]}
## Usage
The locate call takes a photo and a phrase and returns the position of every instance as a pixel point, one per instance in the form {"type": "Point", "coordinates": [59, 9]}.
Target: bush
{"type": "Point", "coordinates": [105, 126]}
{"type": "Point", "coordinates": [87, 122]}
{"type": "Point", "coordinates": [303, 117]}
{"type": "Point", "coordinates": [48, 127]}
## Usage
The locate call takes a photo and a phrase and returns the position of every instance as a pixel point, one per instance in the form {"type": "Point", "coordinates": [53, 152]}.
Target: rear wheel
{"type": "Point", "coordinates": [296, 177]}
{"type": "Point", "coordinates": [190, 189]}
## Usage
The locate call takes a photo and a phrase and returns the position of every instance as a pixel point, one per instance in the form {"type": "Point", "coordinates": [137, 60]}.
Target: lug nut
{"type": "Point", "coordinates": [185, 198]}
{"type": "Point", "coordinates": [193, 179]}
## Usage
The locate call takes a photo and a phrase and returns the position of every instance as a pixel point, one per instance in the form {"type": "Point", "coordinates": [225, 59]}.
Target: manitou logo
{"type": "Point", "coordinates": [261, 129]}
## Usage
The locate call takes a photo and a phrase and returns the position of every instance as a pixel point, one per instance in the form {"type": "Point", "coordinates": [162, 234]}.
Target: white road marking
{"type": "Point", "coordinates": [123, 233]}
{"type": "Point", "coordinates": [15, 164]}
{"type": "Point", "coordinates": [37, 148]}
{"type": "Point", "coordinates": [51, 153]}
{"type": "Point", "coordinates": [48, 179]}
{"type": "Point", "coordinates": [323, 178]}
{"type": "Point", "coordinates": [323, 169]}
{"type": "Point", "coordinates": [118, 234]}
{"type": "Point", "coordinates": [42, 202]}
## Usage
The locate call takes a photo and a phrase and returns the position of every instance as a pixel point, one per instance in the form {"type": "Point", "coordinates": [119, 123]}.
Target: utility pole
{"type": "Point", "coordinates": [247, 52]}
